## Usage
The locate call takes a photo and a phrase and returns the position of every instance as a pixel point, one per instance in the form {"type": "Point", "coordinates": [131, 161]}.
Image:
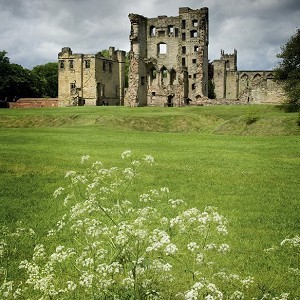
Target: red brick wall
{"type": "Point", "coordinates": [34, 103]}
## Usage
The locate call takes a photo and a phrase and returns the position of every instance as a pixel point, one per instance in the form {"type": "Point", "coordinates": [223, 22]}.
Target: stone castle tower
{"type": "Point", "coordinates": [91, 79]}
{"type": "Point", "coordinates": [168, 59]}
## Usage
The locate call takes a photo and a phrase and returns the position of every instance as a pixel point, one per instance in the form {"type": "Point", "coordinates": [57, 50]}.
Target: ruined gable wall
{"type": "Point", "coordinates": [259, 87]}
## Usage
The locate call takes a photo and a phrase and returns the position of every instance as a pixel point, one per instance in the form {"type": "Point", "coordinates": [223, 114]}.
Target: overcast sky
{"type": "Point", "coordinates": [34, 31]}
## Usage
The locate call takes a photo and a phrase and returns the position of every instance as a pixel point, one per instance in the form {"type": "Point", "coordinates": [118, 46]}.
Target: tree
{"type": "Point", "coordinates": [47, 77]}
{"type": "Point", "coordinates": [15, 81]}
{"type": "Point", "coordinates": [288, 71]}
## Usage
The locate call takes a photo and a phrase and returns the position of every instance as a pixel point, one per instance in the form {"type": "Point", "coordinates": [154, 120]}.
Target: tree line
{"type": "Point", "coordinates": [16, 81]}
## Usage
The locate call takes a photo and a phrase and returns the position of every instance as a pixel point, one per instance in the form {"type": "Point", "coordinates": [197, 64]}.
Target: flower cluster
{"type": "Point", "coordinates": [112, 245]}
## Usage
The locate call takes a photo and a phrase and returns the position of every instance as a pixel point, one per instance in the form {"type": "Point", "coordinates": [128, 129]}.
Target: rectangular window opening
{"type": "Point", "coordinates": [87, 64]}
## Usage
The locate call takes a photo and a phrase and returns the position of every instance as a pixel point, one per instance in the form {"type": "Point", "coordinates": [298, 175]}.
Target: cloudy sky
{"type": "Point", "coordinates": [34, 31]}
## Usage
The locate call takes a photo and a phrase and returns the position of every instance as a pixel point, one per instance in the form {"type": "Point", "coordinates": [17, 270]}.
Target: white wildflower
{"type": "Point", "coordinates": [192, 246]}
{"type": "Point", "coordinates": [70, 174]}
{"type": "Point", "coordinates": [126, 154]}
{"type": "Point", "coordinates": [129, 173]}
{"type": "Point", "coordinates": [71, 286]}
{"type": "Point", "coordinates": [86, 280]}
{"type": "Point", "coordinates": [175, 202]}
{"type": "Point", "coordinates": [136, 163]}
{"type": "Point", "coordinates": [246, 282]}
{"type": "Point", "coordinates": [84, 158]}
{"type": "Point", "coordinates": [58, 192]}
{"type": "Point", "coordinates": [171, 249]}
{"type": "Point", "coordinates": [200, 258]}
{"type": "Point", "coordinates": [237, 295]}
{"type": "Point", "coordinates": [149, 159]}
{"type": "Point", "coordinates": [223, 248]}
{"type": "Point", "coordinates": [164, 190]}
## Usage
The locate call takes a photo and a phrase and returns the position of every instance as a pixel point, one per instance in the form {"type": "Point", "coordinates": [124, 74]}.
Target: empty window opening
{"type": "Point", "coordinates": [164, 75]}
{"type": "Point", "coordinates": [172, 76]}
{"type": "Point", "coordinates": [154, 74]}
{"type": "Point", "coordinates": [170, 29]}
{"type": "Point", "coordinates": [194, 33]}
{"type": "Point", "coordinates": [162, 48]}
{"type": "Point", "coordinates": [183, 36]}
{"type": "Point", "coordinates": [194, 76]}
{"type": "Point", "coordinates": [194, 60]}
{"type": "Point", "coordinates": [176, 32]}
{"type": "Point", "coordinates": [183, 61]}
{"type": "Point", "coordinates": [190, 76]}
{"type": "Point", "coordinates": [61, 64]}
{"type": "Point", "coordinates": [152, 30]}
{"type": "Point", "coordinates": [73, 86]}
{"type": "Point", "coordinates": [71, 64]}
{"type": "Point", "coordinates": [143, 80]}
{"type": "Point", "coordinates": [161, 33]}
{"type": "Point", "coordinates": [183, 50]}
{"type": "Point", "coordinates": [195, 23]}
{"type": "Point", "coordinates": [153, 93]}
{"type": "Point", "coordinates": [193, 86]}
{"type": "Point", "coordinates": [196, 48]}
{"type": "Point", "coordinates": [87, 64]}
{"type": "Point", "coordinates": [183, 24]}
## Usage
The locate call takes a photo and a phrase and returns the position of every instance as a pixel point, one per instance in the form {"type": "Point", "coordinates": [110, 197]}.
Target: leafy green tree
{"type": "Point", "coordinates": [15, 81]}
{"type": "Point", "coordinates": [47, 78]}
{"type": "Point", "coordinates": [288, 71]}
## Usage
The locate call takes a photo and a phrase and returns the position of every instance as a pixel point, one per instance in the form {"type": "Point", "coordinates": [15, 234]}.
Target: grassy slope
{"type": "Point", "coordinates": [250, 172]}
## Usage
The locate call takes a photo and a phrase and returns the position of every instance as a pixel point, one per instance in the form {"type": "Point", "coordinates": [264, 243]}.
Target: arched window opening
{"type": "Point", "coordinates": [172, 76]}
{"type": "Point", "coordinates": [164, 75]}
{"type": "Point", "coordinates": [257, 77]}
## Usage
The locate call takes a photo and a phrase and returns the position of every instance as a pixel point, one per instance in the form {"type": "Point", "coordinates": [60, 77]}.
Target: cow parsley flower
{"type": "Point", "coordinates": [149, 159]}
{"type": "Point", "coordinates": [126, 154]}
{"type": "Point", "coordinates": [84, 158]}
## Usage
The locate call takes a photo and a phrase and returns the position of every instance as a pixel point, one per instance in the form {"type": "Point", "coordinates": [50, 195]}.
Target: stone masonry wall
{"type": "Point", "coordinates": [91, 79]}
{"type": "Point", "coordinates": [244, 86]}
{"type": "Point", "coordinates": [168, 58]}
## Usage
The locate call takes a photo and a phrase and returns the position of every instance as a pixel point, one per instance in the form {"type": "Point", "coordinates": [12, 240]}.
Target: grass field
{"type": "Point", "coordinates": [245, 160]}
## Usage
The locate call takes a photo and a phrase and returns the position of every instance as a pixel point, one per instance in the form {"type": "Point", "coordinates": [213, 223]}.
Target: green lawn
{"type": "Point", "coordinates": [205, 155]}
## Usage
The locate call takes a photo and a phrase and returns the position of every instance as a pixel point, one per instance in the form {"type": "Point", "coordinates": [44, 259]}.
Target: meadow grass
{"type": "Point", "coordinates": [204, 155]}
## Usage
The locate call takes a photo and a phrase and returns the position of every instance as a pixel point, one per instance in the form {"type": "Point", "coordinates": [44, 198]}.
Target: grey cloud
{"type": "Point", "coordinates": [34, 31]}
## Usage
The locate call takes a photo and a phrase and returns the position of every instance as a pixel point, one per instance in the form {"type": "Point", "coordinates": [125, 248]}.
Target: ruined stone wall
{"type": "Point", "coordinates": [245, 86]}
{"type": "Point", "coordinates": [168, 58]}
{"type": "Point", "coordinates": [91, 79]}
{"type": "Point", "coordinates": [259, 87]}
{"type": "Point", "coordinates": [231, 85]}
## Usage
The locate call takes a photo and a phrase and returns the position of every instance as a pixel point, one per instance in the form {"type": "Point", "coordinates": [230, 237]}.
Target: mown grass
{"type": "Point", "coordinates": [205, 155]}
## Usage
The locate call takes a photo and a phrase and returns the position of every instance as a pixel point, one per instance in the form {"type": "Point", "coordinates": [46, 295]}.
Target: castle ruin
{"type": "Point", "coordinates": [168, 59]}
{"type": "Point", "coordinates": [244, 86]}
{"type": "Point", "coordinates": [168, 66]}
{"type": "Point", "coordinates": [91, 79]}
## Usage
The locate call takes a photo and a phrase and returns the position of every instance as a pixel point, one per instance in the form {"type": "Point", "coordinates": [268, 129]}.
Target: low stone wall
{"type": "Point", "coordinates": [34, 103]}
